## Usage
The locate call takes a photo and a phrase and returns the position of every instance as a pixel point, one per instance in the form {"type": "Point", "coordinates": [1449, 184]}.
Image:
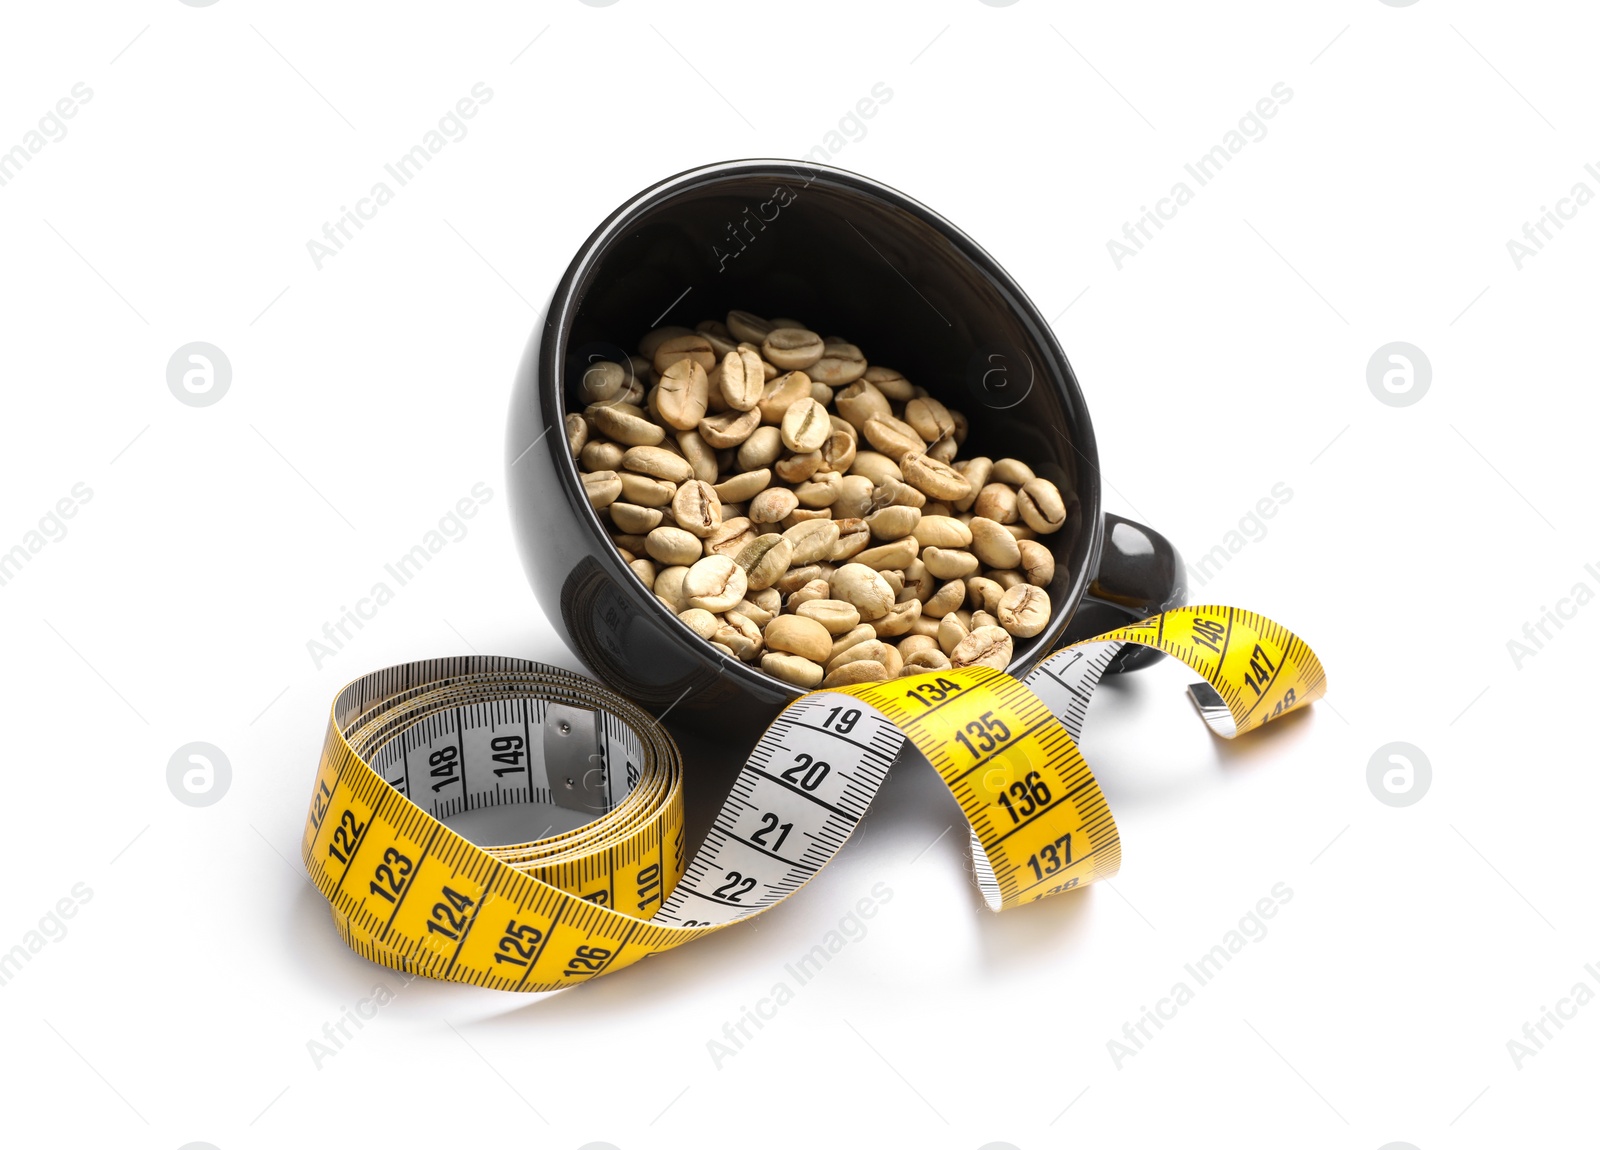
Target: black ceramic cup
{"type": "Point", "coordinates": [844, 255]}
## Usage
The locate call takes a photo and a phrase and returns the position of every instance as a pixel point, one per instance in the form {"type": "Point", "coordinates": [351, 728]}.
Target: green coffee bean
{"type": "Point", "coordinates": [809, 513]}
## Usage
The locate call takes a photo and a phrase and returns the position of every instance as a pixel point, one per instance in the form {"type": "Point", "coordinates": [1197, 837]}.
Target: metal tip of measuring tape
{"type": "Point", "coordinates": [1212, 709]}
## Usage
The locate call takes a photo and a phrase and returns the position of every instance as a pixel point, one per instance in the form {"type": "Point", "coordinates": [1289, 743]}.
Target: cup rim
{"type": "Point", "coordinates": [566, 299]}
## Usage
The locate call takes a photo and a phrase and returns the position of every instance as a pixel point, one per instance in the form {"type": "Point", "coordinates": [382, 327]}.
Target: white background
{"type": "Point", "coordinates": [1228, 356]}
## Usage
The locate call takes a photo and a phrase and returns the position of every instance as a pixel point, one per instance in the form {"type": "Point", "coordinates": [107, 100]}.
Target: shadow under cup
{"type": "Point", "coordinates": [847, 257]}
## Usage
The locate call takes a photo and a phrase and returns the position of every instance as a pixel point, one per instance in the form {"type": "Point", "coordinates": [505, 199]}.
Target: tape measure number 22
{"type": "Point", "coordinates": [412, 745]}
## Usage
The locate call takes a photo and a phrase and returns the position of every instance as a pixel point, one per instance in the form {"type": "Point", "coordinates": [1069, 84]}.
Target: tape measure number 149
{"type": "Point", "coordinates": [412, 745]}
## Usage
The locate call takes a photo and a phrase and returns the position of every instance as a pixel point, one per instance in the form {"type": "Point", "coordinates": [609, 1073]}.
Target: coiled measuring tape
{"type": "Point", "coordinates": [417, 743]}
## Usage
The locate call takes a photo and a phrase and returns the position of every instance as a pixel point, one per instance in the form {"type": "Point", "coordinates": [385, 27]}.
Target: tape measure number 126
{"type": "Point", "coordinates": [412, 745]}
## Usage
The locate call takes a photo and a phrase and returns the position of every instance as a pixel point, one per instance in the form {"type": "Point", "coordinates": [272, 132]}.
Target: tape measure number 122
{"type": "Point", "coordinates": [412, 745]}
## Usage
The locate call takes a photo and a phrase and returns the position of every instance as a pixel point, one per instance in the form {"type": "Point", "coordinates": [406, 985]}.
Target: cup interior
{"type": "Point", "coordinates": [852, 258]}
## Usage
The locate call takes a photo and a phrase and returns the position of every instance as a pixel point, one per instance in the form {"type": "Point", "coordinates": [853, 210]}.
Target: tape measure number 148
{"type": "Point", "coordinates": [412, 745]}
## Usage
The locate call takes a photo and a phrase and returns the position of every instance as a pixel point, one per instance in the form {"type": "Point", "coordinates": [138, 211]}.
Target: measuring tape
{"type": "Point", "coordinates": [417, 743]}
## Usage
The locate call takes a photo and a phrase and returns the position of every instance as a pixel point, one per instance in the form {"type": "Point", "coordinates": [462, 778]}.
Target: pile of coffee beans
{"type": "Point", "coordinates": [802, 509]}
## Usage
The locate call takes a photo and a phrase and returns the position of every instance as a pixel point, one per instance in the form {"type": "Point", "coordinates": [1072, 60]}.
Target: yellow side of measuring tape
{"type": "Point", "coordinates": [414, 744]}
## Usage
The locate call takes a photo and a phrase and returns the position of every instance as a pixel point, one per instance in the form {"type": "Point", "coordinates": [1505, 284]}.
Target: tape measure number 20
{"type": "Point", "coordinates": [412, 745]}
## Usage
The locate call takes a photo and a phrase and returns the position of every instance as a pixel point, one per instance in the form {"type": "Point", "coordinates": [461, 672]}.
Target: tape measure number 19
{"type": "Point", "coordinates": [412, 745]}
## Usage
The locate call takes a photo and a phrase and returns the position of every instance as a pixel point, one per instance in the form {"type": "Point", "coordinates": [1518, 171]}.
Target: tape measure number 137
{"type": "Point", "coordinates": [412, 745]}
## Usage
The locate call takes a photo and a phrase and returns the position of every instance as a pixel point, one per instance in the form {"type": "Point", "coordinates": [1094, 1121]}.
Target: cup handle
{"type": "Point", "coordinates": [1140, 575]}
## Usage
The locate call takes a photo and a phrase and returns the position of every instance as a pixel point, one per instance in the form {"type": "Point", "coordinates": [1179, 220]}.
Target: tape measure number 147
{"type": "Point", "coordinates": [412, 745]}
